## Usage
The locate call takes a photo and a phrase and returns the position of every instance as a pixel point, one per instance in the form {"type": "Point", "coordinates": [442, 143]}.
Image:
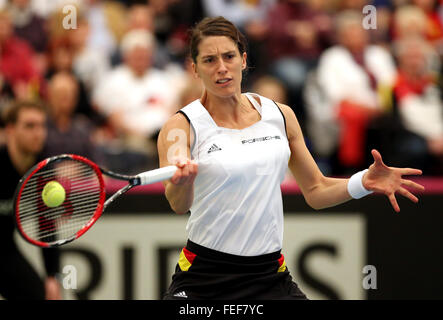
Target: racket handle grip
{"type": "Point", "coordinates": [156, 175]}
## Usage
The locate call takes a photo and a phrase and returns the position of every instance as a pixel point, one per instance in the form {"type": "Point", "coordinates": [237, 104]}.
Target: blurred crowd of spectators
{"type": "Point", "coordinates": [112, 81]}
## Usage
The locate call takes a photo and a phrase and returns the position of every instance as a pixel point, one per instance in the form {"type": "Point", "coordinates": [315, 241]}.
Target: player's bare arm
{"type": "Point", "coordinates": [323, 192]}
{"type": "Point", "coordinates": [319, 191]}
{"type": "Point", "coordinates": [174, 149]}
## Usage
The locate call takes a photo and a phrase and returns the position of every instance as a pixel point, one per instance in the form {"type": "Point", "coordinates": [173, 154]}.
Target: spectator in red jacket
{"type": "Point", "coordinates": [17, 61]}
{"type": "Point", "coordinates": [419, 100]}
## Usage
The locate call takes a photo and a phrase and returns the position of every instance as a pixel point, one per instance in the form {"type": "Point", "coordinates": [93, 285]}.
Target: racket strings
{"type": "Point", "coordinates": [82, 194]}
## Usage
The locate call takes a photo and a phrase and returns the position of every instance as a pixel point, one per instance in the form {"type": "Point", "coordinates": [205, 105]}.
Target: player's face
{"type": "Point", "coordinates": [219, 65]}
{"type": "Point", "coordinates": [30, 130]}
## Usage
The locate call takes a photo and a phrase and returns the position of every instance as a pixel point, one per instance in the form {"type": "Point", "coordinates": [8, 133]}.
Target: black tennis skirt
{"type": "Point", "coordinates": [203, 273]}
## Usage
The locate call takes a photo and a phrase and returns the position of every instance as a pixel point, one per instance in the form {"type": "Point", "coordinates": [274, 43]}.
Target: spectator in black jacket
{"type": "Point", "coordinates": [25, 129]}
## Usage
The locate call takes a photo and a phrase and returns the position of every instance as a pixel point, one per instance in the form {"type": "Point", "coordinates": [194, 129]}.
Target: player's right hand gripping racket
{"type": "Point", "coordinates": [84, 200]}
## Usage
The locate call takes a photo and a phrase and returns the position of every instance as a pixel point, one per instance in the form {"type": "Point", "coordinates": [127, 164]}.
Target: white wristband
{"type": "Point", "coordinates": [355, 186]}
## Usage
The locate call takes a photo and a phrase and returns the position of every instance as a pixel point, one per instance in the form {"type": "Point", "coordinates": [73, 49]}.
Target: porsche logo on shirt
{"type": "Point", "coordinates": [260, 139]}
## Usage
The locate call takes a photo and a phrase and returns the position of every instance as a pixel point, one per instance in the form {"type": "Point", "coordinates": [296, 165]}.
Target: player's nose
{"type": "Point", "coordinates": [221, 66]}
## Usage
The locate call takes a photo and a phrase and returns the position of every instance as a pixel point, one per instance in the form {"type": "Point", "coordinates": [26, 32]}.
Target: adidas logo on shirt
{"type": "Point", "coordinates": [213, 148]}
{"type": "Point", "coordinates": [181, 294]}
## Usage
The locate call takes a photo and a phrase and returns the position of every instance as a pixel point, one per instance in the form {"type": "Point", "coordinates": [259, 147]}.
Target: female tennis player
{"type": "Point", "coordinates": [241, 144]}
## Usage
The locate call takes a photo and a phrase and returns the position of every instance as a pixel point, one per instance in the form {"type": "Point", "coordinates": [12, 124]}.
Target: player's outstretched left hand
{"type": "Point", "coordinates": [389, 180]}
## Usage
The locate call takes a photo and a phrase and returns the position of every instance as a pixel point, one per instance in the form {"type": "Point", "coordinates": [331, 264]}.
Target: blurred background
{"type": "Point", "coordinates": [356, 80]}
{"type": "Point", "coordinates": [124, 70]}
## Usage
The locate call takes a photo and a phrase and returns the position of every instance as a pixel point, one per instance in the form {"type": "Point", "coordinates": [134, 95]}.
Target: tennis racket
{"type": "Point", "coordinates": [84, 200]}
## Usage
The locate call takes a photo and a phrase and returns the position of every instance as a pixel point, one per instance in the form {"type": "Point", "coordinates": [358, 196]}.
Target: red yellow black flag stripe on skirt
{"type": "Point", "coordinates": [186, 259]}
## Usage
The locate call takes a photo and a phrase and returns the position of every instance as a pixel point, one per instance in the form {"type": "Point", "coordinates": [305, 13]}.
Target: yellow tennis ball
{"type": "Point", "coordinates": [53, 194]}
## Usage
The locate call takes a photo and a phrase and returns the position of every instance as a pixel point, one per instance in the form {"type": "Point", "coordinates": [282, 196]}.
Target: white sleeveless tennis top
{"type": "Point", "coordinates": [237, 205]}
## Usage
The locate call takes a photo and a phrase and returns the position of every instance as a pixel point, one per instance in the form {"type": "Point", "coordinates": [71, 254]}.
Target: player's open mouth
{"type": "Point", "coordinates": [224, 81]}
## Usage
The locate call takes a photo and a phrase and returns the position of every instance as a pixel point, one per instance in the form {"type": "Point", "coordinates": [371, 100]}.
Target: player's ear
{"type": "Point", "coordinates": [244, 61]}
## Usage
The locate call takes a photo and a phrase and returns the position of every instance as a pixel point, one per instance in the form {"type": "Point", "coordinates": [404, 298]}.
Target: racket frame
{"type": "Point", "coordinates": [143, 178]}
{"type": "Point", "coordinates": [22, 183]}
